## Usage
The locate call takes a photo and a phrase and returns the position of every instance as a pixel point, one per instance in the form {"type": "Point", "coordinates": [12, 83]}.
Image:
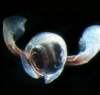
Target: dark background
{"type": "Point", "coordinates": [67, 19]}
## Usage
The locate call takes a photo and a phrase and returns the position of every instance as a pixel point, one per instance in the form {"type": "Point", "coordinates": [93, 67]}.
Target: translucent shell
{"type": "Point", "coordinates": [47, 54]}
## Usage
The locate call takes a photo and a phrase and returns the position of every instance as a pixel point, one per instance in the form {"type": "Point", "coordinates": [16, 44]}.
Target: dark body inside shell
{"type": "Point", "coordinates": [46, 57]}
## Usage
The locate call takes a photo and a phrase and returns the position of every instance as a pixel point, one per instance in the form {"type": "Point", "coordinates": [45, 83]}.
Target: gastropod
{"type": "Point", "coordinates": [46, 53]}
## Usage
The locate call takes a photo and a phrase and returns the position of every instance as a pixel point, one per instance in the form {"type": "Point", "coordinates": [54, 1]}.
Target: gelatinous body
{"type": "Point", "coordinates": [46, 53]}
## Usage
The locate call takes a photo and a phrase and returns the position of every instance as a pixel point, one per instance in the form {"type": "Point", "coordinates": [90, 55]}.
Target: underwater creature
{"type": "Point", "coordinates": [46, 53]}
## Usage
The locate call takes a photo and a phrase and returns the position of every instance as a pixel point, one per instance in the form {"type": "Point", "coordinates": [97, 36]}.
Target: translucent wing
{"type": "Point", "coordinates": [13, 28]}
{"type": "Point", "coordinates": [89, 46]}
